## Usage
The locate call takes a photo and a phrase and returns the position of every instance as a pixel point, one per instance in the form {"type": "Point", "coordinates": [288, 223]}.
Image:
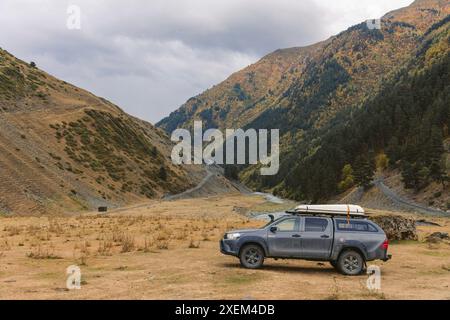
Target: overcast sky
{"type": "Point", "coordinates": [149, 57]}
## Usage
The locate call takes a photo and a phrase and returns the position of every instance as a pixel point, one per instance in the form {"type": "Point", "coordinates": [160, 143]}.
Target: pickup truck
{"type": "Point", "coordinates": [347, 243]}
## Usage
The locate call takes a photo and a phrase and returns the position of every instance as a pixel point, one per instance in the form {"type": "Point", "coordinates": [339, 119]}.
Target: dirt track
{"type": "Point", "coordinates": [402, 202]}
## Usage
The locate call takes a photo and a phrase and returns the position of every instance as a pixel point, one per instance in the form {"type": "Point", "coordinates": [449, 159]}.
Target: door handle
{"type": "Point", "coordinates": [296, 236]}
{"type": "Point", "coordinates": [324, 236]}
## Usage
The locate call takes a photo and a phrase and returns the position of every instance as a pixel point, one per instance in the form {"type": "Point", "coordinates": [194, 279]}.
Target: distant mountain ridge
{"type": "Point", "coordinates": [361, 59]}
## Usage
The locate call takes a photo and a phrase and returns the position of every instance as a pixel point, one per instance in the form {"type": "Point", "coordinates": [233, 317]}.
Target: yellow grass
{"type": "Point", "coordinates": [169, 250]}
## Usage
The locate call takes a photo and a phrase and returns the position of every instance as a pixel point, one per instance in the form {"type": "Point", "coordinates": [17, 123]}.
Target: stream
{"type": "Point", "coordinates": [265, 215]}
{"type": "Point", "coordinates": [270, 197]}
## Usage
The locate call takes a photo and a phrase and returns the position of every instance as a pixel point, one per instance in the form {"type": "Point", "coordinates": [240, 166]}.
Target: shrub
{"type": "Point", "coordinates": [163, 245]}
{"type": "Point", "coordinates": [162, 173]}
{"type": "Point", "coordinates": [193, 245]}
{"type": "Point", "coordinates": [382, 161]}
{"type": "Point", "coordinates": [127, 243]}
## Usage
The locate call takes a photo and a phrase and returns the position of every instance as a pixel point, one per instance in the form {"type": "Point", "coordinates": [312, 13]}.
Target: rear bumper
{"type": "Point", "coordinates": [387, 257]}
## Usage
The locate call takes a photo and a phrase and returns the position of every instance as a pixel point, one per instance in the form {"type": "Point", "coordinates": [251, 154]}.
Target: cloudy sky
{"type": "Point", "coordinates": [149, 57]}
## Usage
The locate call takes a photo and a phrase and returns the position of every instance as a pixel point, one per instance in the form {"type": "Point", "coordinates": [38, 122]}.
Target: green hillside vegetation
{"type": "Point", "coordinates": [406, 122]}
{"type": "Point", "coordinates": [106, 143]}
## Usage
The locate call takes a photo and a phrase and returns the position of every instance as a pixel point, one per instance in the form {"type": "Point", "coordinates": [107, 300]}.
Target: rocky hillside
{"type": "Point", "coordinates": [307, 92]}
{"type": "Point", "coordinates": [64, 149]}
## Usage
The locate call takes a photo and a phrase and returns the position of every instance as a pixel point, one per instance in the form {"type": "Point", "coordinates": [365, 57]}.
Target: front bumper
{"type": "Point", "coordinates": [228, 247]}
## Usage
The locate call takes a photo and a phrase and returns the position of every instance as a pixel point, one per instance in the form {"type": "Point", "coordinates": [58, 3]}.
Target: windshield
{"type": "Point", "coordinates": [270, 222]}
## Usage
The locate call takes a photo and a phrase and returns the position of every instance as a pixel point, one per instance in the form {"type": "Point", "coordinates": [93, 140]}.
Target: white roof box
{"type": "Point", "coordinates": [333, 209]}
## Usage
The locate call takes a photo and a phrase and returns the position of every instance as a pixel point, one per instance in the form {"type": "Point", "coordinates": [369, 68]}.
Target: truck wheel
{"type": "Point", "coordinates": [350, 263]}
{"type": "Point", "coordinates": [251, 256]}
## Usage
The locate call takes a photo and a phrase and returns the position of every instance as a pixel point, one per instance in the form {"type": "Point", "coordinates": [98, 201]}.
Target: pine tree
{"type": "Point", "coordinates": [393, 151]}
{"type": "Point", "coordinates": [423, 177]}
{"type": "Point", "coordinates": [364, 171]}
{"type": "Point", "coordinates": [437, 171]}
{"type": "Point", "coordinates": [408, 175]}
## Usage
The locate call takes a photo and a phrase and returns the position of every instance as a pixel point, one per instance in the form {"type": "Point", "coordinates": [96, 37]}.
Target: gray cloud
{"type": "Point", "coordinates": [150, 57]}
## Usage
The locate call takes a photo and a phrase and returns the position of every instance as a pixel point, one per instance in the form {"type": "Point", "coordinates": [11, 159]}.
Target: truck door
{"type": "Point", "coordinates": [283, 238]}
{"type": "Point", "coordinates": [317, 237]}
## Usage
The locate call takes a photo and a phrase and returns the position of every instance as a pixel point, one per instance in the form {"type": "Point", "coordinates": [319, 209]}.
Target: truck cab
{"type": "Point", "coordinates": [300, 237]}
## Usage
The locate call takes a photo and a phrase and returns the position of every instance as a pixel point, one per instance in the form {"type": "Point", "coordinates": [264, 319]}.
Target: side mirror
{"type": "Point", "coordinates": [273, 229]}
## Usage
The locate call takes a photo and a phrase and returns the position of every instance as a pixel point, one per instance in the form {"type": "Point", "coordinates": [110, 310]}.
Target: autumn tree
{"type": "Point", "coordinates": [348, 179]}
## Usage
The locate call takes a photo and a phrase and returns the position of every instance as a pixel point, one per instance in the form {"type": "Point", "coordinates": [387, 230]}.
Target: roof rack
{"type": "Point", "coordinates": [348, 210]}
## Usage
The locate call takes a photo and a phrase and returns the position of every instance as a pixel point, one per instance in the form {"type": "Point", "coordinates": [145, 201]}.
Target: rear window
{"type": "Point", "coordinates": [315, 224]}
{"type": "Point", "coordinates": [343, 225]}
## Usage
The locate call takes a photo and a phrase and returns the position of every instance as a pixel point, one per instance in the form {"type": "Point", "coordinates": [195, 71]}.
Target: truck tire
{"type": "Point", "coordinates": [251, 256]}
{"type": "Point", "coordinates": [350, 263]}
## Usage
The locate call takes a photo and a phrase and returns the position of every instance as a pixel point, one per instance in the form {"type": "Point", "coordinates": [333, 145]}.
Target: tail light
{"type": "Point", "coordinates": [385, 244]}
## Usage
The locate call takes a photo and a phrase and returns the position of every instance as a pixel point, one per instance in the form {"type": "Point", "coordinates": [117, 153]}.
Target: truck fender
{"type": "Point", "coordinates": [349, 244]}
{"type": "Point", "coordinates": [253, 239]}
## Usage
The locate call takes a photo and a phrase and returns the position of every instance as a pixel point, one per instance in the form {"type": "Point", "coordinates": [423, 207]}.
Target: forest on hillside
{"type": "Point", "coordinates": [403, 127]}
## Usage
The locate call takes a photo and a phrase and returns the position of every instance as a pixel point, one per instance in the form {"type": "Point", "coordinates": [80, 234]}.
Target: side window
{"type": "Point", "coordinates": [286, 225]}
{"type": "Point", "coordinates": [315, 224]}
{"type": "Point", "coordinates": [342, 225]}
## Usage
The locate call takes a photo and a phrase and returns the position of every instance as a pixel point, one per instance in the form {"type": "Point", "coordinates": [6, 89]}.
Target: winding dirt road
{"type": "Point", "coordinates": [402, 202]}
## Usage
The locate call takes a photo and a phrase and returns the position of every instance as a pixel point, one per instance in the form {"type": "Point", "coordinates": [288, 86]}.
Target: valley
{"type": "Point", "coordinates": [362, 117]}
{"type": "Point", "coordinates": [357, 101]}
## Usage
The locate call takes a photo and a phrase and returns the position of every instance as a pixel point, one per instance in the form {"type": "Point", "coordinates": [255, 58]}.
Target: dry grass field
{"type": "Point", "coordinates": [169, 250]}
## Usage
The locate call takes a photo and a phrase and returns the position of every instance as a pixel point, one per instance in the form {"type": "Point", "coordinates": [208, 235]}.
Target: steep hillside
{"type": "Point", "coordinates": [64, 149]}
{"type": "Point", "coordinates": [304, 87]}
{"type": "Point", "coordinates": [306, 92]}
{"type": "Point", "coordinates": [402, 127]}
{"type": "Point", "coordinates": [245, 94]}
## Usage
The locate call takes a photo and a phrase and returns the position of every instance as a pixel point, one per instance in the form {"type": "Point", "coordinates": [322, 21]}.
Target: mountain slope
{"type": "Point", "coordinates": [307, 86]}
{"type": "Point", "coordinates": [64, 149]}
{"type": "Point", "coordinates": [306, 92]}
{"type": "Point", "coordinates": [406, 124]}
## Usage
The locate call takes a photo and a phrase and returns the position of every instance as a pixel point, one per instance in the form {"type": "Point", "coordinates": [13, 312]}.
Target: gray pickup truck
{"type": "Point", "coordinates": [347, 243]}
